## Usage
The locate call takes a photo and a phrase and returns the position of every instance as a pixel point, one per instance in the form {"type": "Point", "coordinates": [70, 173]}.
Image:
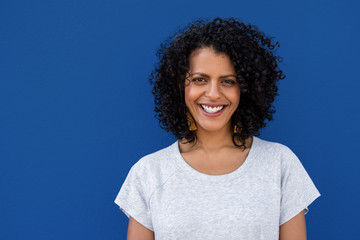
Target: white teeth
{"type": "Point", "coordinates": [212, 109]}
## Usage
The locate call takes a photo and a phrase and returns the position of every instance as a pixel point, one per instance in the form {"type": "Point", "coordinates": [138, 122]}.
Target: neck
{"type": "Point", "coordinates": [214, 140]}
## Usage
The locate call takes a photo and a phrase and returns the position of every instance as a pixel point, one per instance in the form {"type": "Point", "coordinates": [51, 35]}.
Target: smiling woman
{"type": "Point", "coordinates": [214, 87]}
{"type": "Point", "coordinates": [212, 93]}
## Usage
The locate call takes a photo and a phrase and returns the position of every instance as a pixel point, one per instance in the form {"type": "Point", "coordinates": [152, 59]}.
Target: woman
{"type": "Point", "coordinates": [213, 90]}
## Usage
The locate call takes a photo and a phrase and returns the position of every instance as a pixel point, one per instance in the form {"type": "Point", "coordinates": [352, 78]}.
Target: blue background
{"type": "Point", "coordinates": [77, 110]}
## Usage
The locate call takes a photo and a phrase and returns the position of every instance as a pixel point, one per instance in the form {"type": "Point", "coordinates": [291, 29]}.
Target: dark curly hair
{"type": "Point", "coordinates": [255, 64]}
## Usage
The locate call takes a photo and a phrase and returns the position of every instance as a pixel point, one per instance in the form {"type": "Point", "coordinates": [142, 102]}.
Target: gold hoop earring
{"type": "Point", "coordinates": [191, 122]}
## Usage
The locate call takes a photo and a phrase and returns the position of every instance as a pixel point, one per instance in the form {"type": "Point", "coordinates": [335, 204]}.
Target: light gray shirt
{"type": "Point", "coordinates": [166, 195]}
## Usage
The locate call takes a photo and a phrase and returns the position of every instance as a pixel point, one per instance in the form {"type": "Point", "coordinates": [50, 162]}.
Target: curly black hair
{"type": "Point", "coordinates": [256, 66]}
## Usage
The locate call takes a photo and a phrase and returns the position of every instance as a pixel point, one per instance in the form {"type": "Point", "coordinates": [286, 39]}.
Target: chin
{"type": "Point", "coordinates": [212, 128]}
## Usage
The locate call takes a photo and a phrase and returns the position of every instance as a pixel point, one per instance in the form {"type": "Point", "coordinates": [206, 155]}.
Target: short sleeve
{"type": "Point", "coordinates": [133, 201]}
{"type": "Point", "coordinates": [297, 189]}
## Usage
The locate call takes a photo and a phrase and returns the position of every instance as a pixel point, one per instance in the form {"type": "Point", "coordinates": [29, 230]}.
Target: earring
{"type": "Point", "coordinates": [238, 129]}
{"type": "Point", "coordinates": [191, 122]}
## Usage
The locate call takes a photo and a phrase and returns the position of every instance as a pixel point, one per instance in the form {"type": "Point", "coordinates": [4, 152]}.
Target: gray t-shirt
{"type": "Point", "coordinates": [166, 195]}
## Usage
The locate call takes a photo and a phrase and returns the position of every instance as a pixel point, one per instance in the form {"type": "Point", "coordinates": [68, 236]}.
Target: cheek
{"type": "Point", "coordinates": [188, 98]}
{"type": "Point", "coordinates": [191, 95]}
{"type": "Point", "coordinates": [238, 97]}
{"type": "Point", "coordinates": [234, 96]}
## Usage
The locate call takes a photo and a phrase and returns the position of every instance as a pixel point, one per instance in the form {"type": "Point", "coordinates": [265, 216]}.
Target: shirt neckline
{"type": "Point", "coordinates": [191, 172]}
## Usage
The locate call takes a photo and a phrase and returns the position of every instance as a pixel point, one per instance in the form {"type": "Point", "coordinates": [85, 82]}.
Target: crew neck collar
{"type": "Point", "coordinates": [192, 173]}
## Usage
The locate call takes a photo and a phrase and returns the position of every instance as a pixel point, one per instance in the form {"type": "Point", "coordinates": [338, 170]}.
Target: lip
{"type": "Point", "coordinates": [212, 114]}
{"type": "Point", "coordinates": [213, 104]}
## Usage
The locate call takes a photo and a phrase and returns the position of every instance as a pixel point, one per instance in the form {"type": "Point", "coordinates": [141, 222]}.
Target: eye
{"type": "Point", "coordinates": [229, 82]}
{"type": "Point", "coordinates": [198, 80]}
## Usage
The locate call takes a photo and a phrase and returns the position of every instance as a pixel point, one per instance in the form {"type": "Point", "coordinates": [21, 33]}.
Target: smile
{"type": "Point", "coordinates": [209, 109]}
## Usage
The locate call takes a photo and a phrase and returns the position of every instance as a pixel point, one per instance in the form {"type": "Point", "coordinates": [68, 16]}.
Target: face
{"type": "Point", "coordinates": [212, 93]}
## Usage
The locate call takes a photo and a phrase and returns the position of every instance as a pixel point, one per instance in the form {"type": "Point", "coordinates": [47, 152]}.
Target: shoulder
{"type": "Point", "coordinates": [274, 160]}
{"type": "Point", "coordinates": [155, 168]}
{"type": "Point", "coordinates": [158, 159]}
{"type": "Point", "coordinates": [271, 148]}
{"type": "Point", "coordinates": [274, 156]}
{"type": "Point", "coordinates": [278, 156]}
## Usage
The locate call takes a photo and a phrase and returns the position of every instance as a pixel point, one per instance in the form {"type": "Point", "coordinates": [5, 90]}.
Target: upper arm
{"type": "Point", "coordinates": [136, 231]}
{"type": "Point", "coordinates": [294, 229]}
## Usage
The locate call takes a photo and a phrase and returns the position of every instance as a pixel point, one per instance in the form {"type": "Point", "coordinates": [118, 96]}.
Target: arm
{"type": "Point", "coordinates": [294, 229]}
{"type": "Point", "coordinates": [137, 231]}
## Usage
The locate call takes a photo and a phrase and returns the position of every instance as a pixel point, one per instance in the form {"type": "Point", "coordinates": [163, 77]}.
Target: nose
{"type": "Point", "coordinates": [213, 91]}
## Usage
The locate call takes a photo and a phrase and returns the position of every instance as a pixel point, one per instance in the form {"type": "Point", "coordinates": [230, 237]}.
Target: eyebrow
{"type": "Point", "coordinates": [205, 75]}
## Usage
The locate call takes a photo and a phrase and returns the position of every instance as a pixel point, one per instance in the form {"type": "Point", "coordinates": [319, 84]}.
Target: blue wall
{"type": "Point", "coordinates": [76, 110]}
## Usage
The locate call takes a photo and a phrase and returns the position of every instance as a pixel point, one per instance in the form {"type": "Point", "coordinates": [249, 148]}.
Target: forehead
{"type": "Point", "coordinates": [206, 59]}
